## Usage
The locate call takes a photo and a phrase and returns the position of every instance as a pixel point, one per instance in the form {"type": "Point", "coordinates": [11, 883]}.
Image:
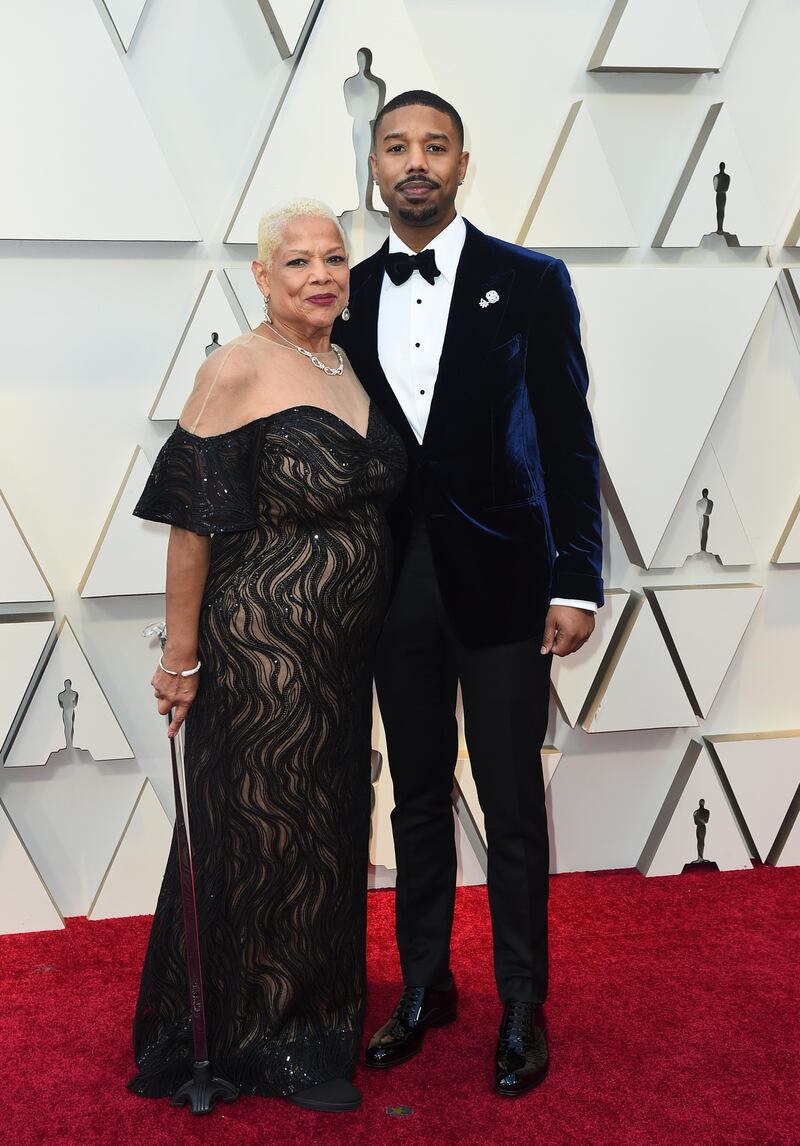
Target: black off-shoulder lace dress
{"type": "Point", "coordinates": [277, 748]}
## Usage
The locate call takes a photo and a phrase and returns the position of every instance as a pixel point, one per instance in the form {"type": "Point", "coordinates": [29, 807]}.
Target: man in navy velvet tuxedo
{"type": "Point", "coordinates": [471, 348]}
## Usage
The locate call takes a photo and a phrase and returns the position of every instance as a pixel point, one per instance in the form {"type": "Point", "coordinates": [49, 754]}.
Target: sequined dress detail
{"type": "Point", "coordinates": [277, 748]}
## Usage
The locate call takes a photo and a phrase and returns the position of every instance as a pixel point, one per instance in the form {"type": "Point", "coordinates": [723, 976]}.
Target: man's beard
{"type": "Point", "coordinates": [418, 215]}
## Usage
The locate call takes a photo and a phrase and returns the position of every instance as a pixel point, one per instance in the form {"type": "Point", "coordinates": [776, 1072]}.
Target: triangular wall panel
{"type": "Point", "coordinates": [125, 16]}
{"type": "Point", "coordinates": [21, 578]}
{"type": "Point", "coordinates": [578, 203]}
{"type": "Point", "coordinates": [62, 75]}
{"type": "Point", "coordinates": [71, 815]}
{"type": "Point", "coordinates": [381, 844]}
{"type": "Point", "coordinates": [25, 902]}
{"type": "Point", "coordinates": [286, 20]}
{"type": "Point", "coordinates": [285, 171]}
{"type": "Point", "coordinates": [211, 314]}
{"type": "Point", "coordinates": [131, 555]}
{"type": "Point", "coordinates": [132, 880]}
{"type": "Point", "coordinates": [789, 855]}
{"type": "Point", "coordinates": [691, 213]}
{"type": "Point", "coordinates": [722, 18]}
{"type": "Point", "coordinates": [248, 296]}
{"type": "Point", "coordinates": [789, 291]}
{"type": "Point", "coordinates": [551, 758]}
{"type": "Point", "coordinates": [789, 287]}
{"type": "Point", "coordinates": [42, 730]}
{"type": "Point", "coordinates": [723, 534]}
{"type": "Point", "coordinates": [673, 841]}
{"type": "Point", "coordinates": [471, 870]}
{"type": "Point", "coordinates": [576, 677]}
{"type": "Point", "coordinates": [641, 688]}
{"type": "Point", "coordinates": [24, 642]}
{"type": "Point", "coordinates": [787, 551]}
{"type": "Point", "coordinates": [763, 771]}
{"type": "Point", "coordinates": [667, 35]}
{"type": "Point", "coordinates": [381, 840]}
{"type": "Point", "coordinates": [705, 625]}
{"type": "Point", "coordinates": [654, 403]}
{"type": "Point", "coordinates": [467, 793]}
{"type": "Point", "coordinates": [793, 238]}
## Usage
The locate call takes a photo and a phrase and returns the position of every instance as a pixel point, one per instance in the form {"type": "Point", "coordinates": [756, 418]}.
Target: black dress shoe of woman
{"type": "Point", "coordinates": [401, 1037]}
{"type": "Point", "coordinates": [337, 1094]}
{"type": "Point", "coordinates": [522, 1057]}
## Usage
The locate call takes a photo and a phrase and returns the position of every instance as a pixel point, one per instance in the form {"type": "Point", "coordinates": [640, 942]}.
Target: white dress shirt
{"type": "Point", "coordinates": [412, 320]}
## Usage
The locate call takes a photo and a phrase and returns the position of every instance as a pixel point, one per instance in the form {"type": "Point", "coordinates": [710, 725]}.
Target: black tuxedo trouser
{"type": "Point", "coordinates": [505, 693]}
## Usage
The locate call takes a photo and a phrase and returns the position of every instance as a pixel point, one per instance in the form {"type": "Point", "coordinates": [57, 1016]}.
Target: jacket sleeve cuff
{"type": "Point", "coordinates": [568, 586]}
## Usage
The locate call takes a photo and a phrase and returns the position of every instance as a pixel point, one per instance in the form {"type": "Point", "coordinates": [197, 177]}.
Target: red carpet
{"type": "Point", "coordinates": [673, 1015]}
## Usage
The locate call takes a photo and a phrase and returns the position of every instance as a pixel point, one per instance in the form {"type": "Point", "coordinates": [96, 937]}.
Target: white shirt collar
{"type": "Point", "coordinates": [447, 246]}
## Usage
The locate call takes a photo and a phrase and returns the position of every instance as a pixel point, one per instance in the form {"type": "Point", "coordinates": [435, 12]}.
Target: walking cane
{"type": "Point", "coordinates": [203, 1089]}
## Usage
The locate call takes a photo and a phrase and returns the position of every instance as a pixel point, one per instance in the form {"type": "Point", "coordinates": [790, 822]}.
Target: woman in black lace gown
{"type": "Point", "coordinates": [275, 483]}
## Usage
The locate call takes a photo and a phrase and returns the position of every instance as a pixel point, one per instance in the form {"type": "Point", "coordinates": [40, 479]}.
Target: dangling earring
{"type": "Point", "coordinates": [267, 315]}
{"type": "Point", "coordinates": [345, 316]}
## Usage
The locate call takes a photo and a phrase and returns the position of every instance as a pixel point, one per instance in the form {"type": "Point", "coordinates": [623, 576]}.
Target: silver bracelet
{"type": "Point", "coordinates": [173, 672]}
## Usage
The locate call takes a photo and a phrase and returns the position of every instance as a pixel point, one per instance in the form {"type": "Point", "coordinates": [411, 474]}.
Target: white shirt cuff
{"type": "Point", "coordinates": [590, 605]}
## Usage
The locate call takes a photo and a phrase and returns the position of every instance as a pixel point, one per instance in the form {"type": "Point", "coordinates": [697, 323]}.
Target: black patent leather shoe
{"type": "Point", "coordinates": [401, 1037]}
{"type": "Point", "coordinates": [522, 1057]}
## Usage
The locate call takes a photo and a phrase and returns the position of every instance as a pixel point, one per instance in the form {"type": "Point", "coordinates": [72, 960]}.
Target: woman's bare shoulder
{"type": "Point", "coordinates": [222, 384]}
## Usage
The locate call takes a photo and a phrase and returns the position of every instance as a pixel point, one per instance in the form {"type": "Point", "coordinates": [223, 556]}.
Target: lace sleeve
{"type": "Point", "coordinates": [205, 485]}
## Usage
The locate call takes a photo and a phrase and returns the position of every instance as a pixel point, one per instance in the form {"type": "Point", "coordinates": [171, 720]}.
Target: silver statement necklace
{"type": "Point", "coordinates": [331, 371]}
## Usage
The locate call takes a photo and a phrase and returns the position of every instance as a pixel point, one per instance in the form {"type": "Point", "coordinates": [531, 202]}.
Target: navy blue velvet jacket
{"type": "Point", "coordinates": [507, 475]}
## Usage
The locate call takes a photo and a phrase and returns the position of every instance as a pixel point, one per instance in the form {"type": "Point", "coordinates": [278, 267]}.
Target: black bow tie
{"type": "Point", "coordinates": [400, 266]}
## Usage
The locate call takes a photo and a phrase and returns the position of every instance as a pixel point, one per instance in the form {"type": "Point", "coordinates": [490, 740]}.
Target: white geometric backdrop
{"type": "Point", "coordinates": [140, 145]}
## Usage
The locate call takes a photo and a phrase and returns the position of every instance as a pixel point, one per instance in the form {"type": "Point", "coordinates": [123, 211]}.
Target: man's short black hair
{"type": "Point", "coordinates": [421, 99]}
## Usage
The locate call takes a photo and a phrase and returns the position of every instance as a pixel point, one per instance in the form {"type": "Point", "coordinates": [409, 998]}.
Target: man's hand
{"type": "Point", "coordinates": [566, 629]}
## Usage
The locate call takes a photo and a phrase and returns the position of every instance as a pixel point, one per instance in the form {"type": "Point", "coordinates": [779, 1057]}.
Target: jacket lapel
{"type": "Point", "coordinates": [471, 329]}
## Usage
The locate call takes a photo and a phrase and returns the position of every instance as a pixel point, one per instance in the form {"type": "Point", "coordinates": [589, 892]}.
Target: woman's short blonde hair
{"type": "Point", "coordinates": [271, 223]}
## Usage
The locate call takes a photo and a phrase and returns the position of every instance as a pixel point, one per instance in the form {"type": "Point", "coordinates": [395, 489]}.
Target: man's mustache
{"type": "Point", "coordinates": [418, 180]}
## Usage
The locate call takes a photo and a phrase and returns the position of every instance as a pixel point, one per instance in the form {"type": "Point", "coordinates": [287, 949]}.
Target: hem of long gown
{"type": "Point", "coordinates": [317, 1063]}
{"type": "Point", "coordinates": [160, 1088]}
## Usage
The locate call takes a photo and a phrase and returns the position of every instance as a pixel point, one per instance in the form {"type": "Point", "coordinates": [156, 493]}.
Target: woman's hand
{"type": "Point", "coordinates": [188, 556]}
{"type": "Point", "coordinates": [174, 692]}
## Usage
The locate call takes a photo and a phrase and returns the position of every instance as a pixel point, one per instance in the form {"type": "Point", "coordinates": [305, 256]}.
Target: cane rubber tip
{"type": "Point", "coordinates": [203, 1090]}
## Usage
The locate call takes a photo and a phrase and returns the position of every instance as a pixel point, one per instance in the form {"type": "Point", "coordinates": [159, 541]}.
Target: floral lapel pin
{"type": "Point", "coordinates": [491, 296]}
